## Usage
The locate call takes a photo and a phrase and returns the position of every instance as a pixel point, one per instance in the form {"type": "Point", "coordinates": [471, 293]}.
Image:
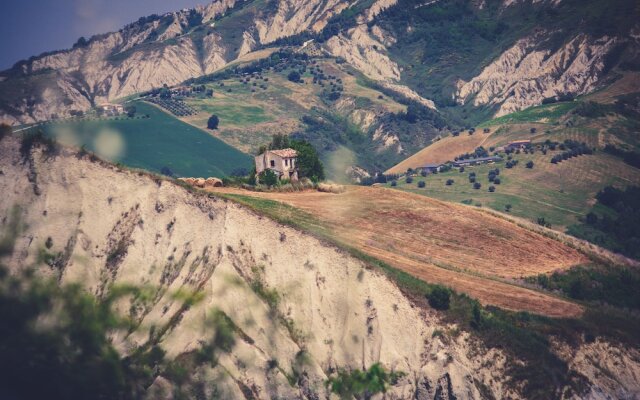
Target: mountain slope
{"type": "Point", "coordinates": [149, 53]}
{"type": "Point", "coordinates": [481, 54]}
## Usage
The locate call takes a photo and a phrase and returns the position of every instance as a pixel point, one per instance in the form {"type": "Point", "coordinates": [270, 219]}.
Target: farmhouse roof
{"type": "Point", "coordinates": [285, 153]}
{"type": "Point", "coordinates": [521, 141]}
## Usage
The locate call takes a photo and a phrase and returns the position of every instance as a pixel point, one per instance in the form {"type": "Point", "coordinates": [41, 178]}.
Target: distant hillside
{"type": "Point", "coordinates": [468, 59]}
{"type": "Point", "coordinates": [560, 194]}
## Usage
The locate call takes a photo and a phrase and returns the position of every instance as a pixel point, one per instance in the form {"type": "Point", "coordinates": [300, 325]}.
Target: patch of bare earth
{"type": "Point", "coordinates": [471, 251]}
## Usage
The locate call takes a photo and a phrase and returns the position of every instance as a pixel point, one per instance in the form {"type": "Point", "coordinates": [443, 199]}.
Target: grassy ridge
{"type": "Point", "coordinates": [160, 141]}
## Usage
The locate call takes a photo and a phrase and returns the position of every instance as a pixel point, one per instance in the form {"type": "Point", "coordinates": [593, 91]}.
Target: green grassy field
{"type": "Point", "coordinates": [154, 143]}
{"type": "Point", "coordinates": [560, 193]}
{"type": "Point", "coordinates": [543, 113]}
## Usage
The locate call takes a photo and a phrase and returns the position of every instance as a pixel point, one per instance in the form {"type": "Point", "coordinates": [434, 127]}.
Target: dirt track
{"type": "Point", "coordinates": [450, 244]}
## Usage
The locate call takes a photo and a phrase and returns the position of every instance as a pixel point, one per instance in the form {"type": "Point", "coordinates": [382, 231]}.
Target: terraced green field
{"type": "Point", "coordinates": [154, 143]}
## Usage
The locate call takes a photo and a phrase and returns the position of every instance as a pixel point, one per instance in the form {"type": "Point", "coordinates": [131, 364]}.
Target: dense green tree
{"type": "Point", "coordinates": [131, 111]}
{"type": "Point", "coordinates": [477, 319]}
{"type": "Point", "coordinates": [439, 298]}
{"type": "Point", "coordinates": [294, 76]}
{"type": "Point", "coordinates": [5, 130]}
{"type": "Point", "coordinates": [81, 42]}
{"type": "Point", "coordinates": [308, 162]}
{"type": "Point", "coordinates": [268, 177]}
{"type": "Point", "coordinates": [279, 141]}
{"type": "Point", "coordinates": [213, 121]}
{"type": "Point", "coordinates": [362, 384]}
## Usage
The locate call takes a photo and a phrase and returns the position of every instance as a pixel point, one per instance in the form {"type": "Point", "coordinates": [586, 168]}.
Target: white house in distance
{"type": "Point", "coordinates": [282, 162]}
{"type": "Point", "coordinates": [111, 109]}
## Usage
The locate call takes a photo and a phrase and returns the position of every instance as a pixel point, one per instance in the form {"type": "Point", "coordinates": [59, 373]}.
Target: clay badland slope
{"type": "Point", "coordinates": [111, 227]}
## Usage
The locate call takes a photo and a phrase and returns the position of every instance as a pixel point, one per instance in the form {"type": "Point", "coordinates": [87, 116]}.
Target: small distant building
{"type": "Point", "coordinates": [477, 161]}
{"type": "Point", "coordinates": [181, 90]}
{"type": "Point", "coordinates": [429, 168]}
{"type": "Point", "coordinates": [282, 162]}
{"type": "Point", "coordinates": [111, 109]}
{"type": "Point", "coordinates": [518, 144]}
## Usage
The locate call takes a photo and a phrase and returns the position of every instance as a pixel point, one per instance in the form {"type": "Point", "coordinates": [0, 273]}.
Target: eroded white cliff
{"type": "Point", "coordinates": [524, 75]}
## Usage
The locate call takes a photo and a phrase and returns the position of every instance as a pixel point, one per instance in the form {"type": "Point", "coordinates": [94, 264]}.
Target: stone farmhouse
{"type": "Point", "coordinates": [282, 162]}
{"type": "Point", "coordinates": [518, 144]}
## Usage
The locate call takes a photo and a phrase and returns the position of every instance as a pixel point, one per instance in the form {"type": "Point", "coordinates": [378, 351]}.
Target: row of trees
{"type": "Point", "coordinates": [378, 178]}
{"type": "Point", "coordinates": [574, 151]}
{"type": "Point", "coordinates": [630, 157]}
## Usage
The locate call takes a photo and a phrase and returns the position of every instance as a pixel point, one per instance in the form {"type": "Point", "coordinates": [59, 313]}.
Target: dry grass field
{"type": "Point", "coordinates": [441, 151]}
{"type": "Point", "coordinates": [449, 147]}
{"type": "Point", "coordinates": [629, 83]}
{"type": "Point", "coordinates": [453, 245]}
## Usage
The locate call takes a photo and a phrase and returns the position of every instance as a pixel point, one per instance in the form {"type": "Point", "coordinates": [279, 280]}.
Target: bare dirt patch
{"type": "Point", "coordinates": [468, 250]}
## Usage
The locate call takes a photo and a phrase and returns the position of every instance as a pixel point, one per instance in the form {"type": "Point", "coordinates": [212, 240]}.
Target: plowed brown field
{"type": "Point", "coordinates": [466, 249]}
